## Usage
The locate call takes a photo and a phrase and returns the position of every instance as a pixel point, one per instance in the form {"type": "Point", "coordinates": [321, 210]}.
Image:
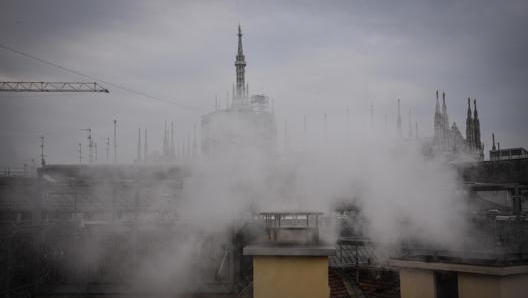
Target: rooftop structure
{"type": "Point", "coordinates": [291, 256]}
{"type": "Point", "coordinates": [508, 153]}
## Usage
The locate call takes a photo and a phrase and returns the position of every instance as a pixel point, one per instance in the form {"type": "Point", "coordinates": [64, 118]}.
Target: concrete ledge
{"type": "Point", "coordinates": [289, 250]}
{"type": "Point", "coordinates": [479, 269]}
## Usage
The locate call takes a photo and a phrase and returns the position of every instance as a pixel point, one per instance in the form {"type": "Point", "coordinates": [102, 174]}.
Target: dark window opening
{"type": "Point", "coordinates": [446, 284]}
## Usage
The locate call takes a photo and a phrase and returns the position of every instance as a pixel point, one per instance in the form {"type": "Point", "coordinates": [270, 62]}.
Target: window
{"type": "Point", "coordinates": [446, 284]}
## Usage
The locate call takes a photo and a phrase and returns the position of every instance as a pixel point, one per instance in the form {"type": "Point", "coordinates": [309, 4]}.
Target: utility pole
{"type": "Point", "coordinates": [42, 161]}
{"type": "Point", "coordinates": [95, 148]}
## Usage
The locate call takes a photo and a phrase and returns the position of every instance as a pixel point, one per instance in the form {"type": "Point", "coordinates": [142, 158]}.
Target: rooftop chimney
{"type": "Point", "coordinates": [290, 255]}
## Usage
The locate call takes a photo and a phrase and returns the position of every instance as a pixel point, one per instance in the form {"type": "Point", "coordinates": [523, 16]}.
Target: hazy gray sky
{"type": "Point", "coordinates": [310, 57]}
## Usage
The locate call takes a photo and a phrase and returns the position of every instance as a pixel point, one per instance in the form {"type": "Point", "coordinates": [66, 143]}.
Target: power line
{"type": "Point", "coordinates": [96, 78]}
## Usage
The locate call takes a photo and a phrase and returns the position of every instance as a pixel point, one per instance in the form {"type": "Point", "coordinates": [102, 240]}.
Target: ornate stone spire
{"type": "Point", "coordinates": [493, 140]}
{"type": "Point", "coordinates": [476, 127]}
{"type": "Point", "coordinates": [437, 109]}
{"type": "Point", "coordinates": [438, 124]}
{"type": "Point", "coordinates": [240, 64]}
{"type": "Point", "coordinates": [469, 127]}
{"type": "Point", "coordinates": [444, 113]}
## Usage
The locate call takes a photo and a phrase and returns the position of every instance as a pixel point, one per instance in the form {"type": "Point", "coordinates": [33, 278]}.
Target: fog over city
{"type": "Point", "coordinates": [309, 57]}
{"type": "Point", "coordinates": [337, 75]}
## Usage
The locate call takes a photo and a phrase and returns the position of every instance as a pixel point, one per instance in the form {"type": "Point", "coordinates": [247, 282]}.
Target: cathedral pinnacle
{"type": "Point", "coordinates": [240, 64]}
{"type": "Point", "coordinates": [475, 113]}
{"type": "Point", "coordinates": [437, 104]}
{"type": "Point", "coordinates": [240, 51]}
{"type": "Point", "coordinates": [469, 108]}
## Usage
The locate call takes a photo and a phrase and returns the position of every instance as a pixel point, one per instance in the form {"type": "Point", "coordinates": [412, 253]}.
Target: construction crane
{"type": "Point", "coordinates": [56, 87]}
{"type": "Point", "coordinates": [51, 87]}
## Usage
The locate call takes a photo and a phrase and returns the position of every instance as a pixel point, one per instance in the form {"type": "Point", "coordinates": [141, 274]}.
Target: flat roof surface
{"type": "Point", "coordinates": [289, 250]}
{"type": "Point", "coordinates": [468, 268]}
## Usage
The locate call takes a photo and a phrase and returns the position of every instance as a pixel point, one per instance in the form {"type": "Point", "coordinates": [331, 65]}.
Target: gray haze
{"type": "Point", "coordinates": [310, 57]}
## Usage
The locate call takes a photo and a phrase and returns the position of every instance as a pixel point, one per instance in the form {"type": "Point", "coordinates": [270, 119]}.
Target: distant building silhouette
{"type": "Point", "coordinates": [245, 125]}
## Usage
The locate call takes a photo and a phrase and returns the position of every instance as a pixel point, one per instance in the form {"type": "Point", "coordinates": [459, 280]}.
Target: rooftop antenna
{"type": "Point", "coordinates": [347, 124]}
{"type": "Point", "coordinates": [165, 141]}
{"type": "Point", "coordinates": [139, 146]}
{"type": "Point", "coordinates": [285, 136]}
{"type": "Point", "coordinates": [90, 144]}
{"type": "Point", "coordinates": [42, 160]}
{"type": "Point", "coordinates": [304, 131]}
{"type": "Point", "coordinates": [410, 125]}
{"type": "Point", "coordinates": [188, 145]}
{"type": "Point", "coordinates": [115, 141]}
{"type": "Point", "coordinates": [172, 151]}
{"type": "Point", "coordinates": [145, 149]}
{"type": "Point", "coordinates": [80, 152]}
{"type": "Point", "coordinates": [194, 144]}
{"type": "Point", "coordinates": [107, 149]}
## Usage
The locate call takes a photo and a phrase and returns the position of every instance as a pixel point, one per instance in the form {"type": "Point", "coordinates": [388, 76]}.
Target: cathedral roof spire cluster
{"type": "Point", "coordinates": [449, 138]}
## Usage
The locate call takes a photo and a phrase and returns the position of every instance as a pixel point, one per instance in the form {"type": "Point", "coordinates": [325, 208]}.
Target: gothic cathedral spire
{"type": "Point", "coordinates": [438, 124]}
{"type": "Point", "coordinates": [469, 127]}
{"type": "Point", "coordinates": [240, 64]}
{"type": "Point", "coordinates": [476, 127]}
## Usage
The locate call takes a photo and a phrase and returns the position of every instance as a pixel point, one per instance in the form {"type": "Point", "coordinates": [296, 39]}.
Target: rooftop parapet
{"type": "Point", "coordinates": [292, 227]}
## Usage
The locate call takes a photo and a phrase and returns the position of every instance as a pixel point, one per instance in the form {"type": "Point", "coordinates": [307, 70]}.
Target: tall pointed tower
{"type": "Point", "coordinates": [438, 126]}
{"type": "Point", "coordinates": [445, 123]}
{"type": "Point", "coordinates": [476, 132]}
{"type": "Point", "coordinates": [469, 128]}
{"type": "Point", "coordinates": [239, 96]}
{"type": "Point", "coordinates": [445, 118]}
{"type": "Point", "coordinates": [493, 140]}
